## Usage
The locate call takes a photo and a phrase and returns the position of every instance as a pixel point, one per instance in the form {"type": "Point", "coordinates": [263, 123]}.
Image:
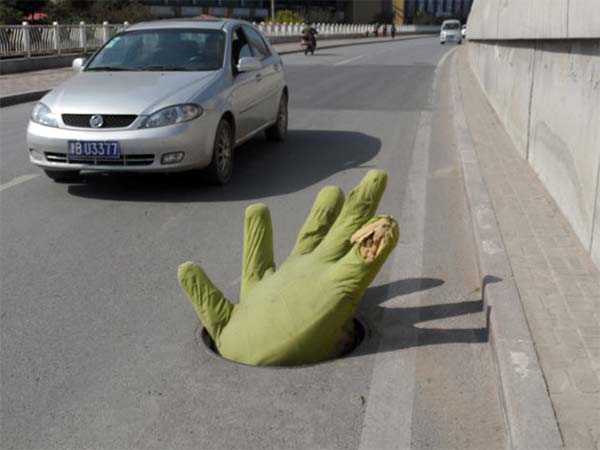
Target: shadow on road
{"type": "Point", "coordinates": [262, 169]}
{"type": "Point", "coordinates": [402, 323]}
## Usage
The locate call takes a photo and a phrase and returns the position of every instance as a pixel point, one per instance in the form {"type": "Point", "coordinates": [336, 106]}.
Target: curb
{"type": "Point", "coordinates": [528, 413]}
{"type": "Point", "coordinates": [22, 97]}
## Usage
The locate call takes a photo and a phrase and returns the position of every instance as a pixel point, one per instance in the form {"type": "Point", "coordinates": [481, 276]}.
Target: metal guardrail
{"type": "Point", "coordinates": [30, 40]}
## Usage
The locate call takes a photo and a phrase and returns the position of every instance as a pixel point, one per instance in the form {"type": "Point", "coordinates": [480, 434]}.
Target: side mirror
{"type": "Point", "coordinates": [77, 64]}
{"type": "Point", "coordinates": [249, 64]}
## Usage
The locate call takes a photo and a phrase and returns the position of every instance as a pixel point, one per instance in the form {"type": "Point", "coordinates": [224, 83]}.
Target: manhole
{"type": "Point", "coordinates": [361, 332]}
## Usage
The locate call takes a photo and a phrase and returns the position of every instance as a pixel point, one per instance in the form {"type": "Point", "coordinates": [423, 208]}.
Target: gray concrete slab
{"type": "Point", "coordinates": [99, 345]}
{"type": "Point", "coordinates": [558, 285]}
{"type": "Point", "coordinates": [526, 404]}
{"type": "Point", "coordinates": [584, 19]}
{"type": "Point", "coordinates": [534, 19]}
{"type": "Point", "coordinates": [564, 138]}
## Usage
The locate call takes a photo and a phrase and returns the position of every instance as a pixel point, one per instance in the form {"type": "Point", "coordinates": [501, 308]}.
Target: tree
{"type": "Point", "coordinates": [120, 11]}
{"type": "Point", "coordinates": [287, 16]}
{"type": "Point", "coordinates": [98, 11]}
{"type": "Point", "coordinates": [69, 11]}
{"type": "Point", "coordinates": [15, 11]}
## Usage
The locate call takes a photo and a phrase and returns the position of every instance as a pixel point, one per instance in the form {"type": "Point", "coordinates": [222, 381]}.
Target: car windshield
{"type": "Point", "coordinates": [162, 50]}
{"type": "Point", "coordinates": [451, 26]}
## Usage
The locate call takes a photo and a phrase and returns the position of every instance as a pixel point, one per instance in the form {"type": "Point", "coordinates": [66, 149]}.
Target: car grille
{"type": "Point", "coordinates": [110, 120]}
{"type": "Point", "coordinates": [123, 160]}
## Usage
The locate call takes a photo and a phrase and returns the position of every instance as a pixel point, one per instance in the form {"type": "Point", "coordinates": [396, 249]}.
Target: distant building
{"type": "Point", "coordinates": [457, 9]}
{"type": "Point", "coordinates": [348, 11]}
{"type": "Point", "coordinates": [257, 10]}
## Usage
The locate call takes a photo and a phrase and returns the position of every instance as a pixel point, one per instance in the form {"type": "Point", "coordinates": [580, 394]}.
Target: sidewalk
{"type": "Point", "coordinates": [29, 86]}
{"type": "Point", "coordinates": [558, 284]}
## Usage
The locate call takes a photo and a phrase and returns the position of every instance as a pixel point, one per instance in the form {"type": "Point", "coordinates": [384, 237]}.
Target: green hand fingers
{"type": "Point", "coordinates": [213, 309]}
{"type": "Point", "coordinates": [325, 210]}
{"type": "Point", "coordinates": [358, 209]}
{"type": "Point", "coordinates": [258, 247]}
{"type": "Point", "coordinates": [303, 312]}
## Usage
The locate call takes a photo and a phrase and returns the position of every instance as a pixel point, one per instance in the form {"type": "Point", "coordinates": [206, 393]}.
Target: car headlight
{"type": "Point", "coordinates": [172, 115]}
{"type": "Point", "coordinates": [41, 114]}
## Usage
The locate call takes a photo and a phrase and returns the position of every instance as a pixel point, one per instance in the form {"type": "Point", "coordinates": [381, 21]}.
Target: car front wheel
{"type": "Point", "coordinates": [278, 131]}
{"type": "Point", "coordinates": [221, 166]}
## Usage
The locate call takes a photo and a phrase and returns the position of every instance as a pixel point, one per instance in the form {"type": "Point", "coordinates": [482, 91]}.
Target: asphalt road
{"type": "Point", "coordinates": [99, 345]}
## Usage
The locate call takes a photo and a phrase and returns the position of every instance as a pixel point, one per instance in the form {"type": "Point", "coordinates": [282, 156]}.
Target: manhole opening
{"type": "Point", "coordinates": [360, 333]}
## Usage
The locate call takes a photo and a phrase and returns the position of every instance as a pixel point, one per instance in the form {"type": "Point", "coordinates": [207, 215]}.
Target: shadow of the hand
{"type": "Point", "coordinates": [398, 328]}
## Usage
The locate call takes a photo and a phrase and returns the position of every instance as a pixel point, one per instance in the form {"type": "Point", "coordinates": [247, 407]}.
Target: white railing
{"type": "Point", "coordinates": [276, 30]}
{"type": "Point", "coordinates": [27, 40]}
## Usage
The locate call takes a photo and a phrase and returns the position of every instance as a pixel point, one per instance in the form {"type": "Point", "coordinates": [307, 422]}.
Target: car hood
{"type": "Point", "coordinates": [136, 93]}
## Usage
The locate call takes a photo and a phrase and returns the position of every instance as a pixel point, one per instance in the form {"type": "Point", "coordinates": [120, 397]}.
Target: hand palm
{"type": "Point", "coordinates": [299, 314]}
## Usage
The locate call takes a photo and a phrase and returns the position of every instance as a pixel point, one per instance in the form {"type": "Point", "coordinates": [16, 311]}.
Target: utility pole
{"type": "Point", "coordinates": [273, 10]}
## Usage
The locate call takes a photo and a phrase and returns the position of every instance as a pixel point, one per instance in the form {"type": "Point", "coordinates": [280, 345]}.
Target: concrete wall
{"type": "Point", "coordinates": [534, 19]}
{"type": "Point", "coordinates": [539, 63]}
{"type": "Point", "coordinates": [596, 235]}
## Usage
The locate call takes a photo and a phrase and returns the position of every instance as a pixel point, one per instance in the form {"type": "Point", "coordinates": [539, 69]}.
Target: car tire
{"type": "Point", "coordinates": [62, 175]}
{"type": "Point", "coordinates": [221, 166]}
{"type": "Point", "coordinates": [278, 131]}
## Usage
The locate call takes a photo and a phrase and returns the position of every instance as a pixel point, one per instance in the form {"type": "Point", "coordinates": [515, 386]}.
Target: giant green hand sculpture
{"type": "Point", "coordinates": [302, 313]}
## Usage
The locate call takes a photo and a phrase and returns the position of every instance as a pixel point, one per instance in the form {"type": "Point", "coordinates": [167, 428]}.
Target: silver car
{"type": "Point", "coordinates": [163, 97]}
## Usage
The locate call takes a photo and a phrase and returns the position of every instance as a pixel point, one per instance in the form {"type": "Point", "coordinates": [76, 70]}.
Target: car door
{"type": "Point", "coordinates": [245, 96]}
{"type": "Point", "coordinates": [270, 81]}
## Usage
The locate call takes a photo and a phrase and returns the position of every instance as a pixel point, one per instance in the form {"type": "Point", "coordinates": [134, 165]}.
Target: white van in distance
{"type": "Point", "coordinates": [450, 32]}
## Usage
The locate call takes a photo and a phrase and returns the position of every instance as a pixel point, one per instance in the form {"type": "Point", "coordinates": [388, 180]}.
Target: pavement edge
{"type": "Point", "coordinates": [530, 418]}
{"type": "Point", "coordinates": [21, 97]}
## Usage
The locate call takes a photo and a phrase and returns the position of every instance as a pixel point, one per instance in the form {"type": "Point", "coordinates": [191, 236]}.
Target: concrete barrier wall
{"type": "Point", "coordinates": [538, 62]}
{"type": "Point", "coordinates": [534, 19]}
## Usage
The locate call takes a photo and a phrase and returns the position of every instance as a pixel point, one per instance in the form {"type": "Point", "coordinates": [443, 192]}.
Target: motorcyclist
{"type": "Point", "coordinates": [309, 34]}
{"type": "Point", "coordinates": [375, 29]}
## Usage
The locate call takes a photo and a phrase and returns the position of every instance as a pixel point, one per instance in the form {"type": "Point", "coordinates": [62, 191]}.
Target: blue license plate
{"type": "Point", "coordinates": [94, 149]}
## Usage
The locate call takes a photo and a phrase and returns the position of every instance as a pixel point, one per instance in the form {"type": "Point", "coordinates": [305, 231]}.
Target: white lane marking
{"type": "Point", "coordinates": [18, 180]}
{"type": "Point", "coordinates": [388, 417]}
{"type": "Point", "coordinates": [346, 61]}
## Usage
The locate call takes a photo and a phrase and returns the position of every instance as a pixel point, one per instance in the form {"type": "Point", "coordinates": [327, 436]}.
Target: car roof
{"type": "Point", "coordinates": [203, 23]}
{"type": "Point", "coordinates": [450, 21]}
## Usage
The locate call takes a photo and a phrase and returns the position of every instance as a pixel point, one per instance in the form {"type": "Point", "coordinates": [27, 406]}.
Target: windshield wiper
{"type": "Point", "coordinates": [107, 68]}
{"type": "Point", "coordinates": [163, 68]}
